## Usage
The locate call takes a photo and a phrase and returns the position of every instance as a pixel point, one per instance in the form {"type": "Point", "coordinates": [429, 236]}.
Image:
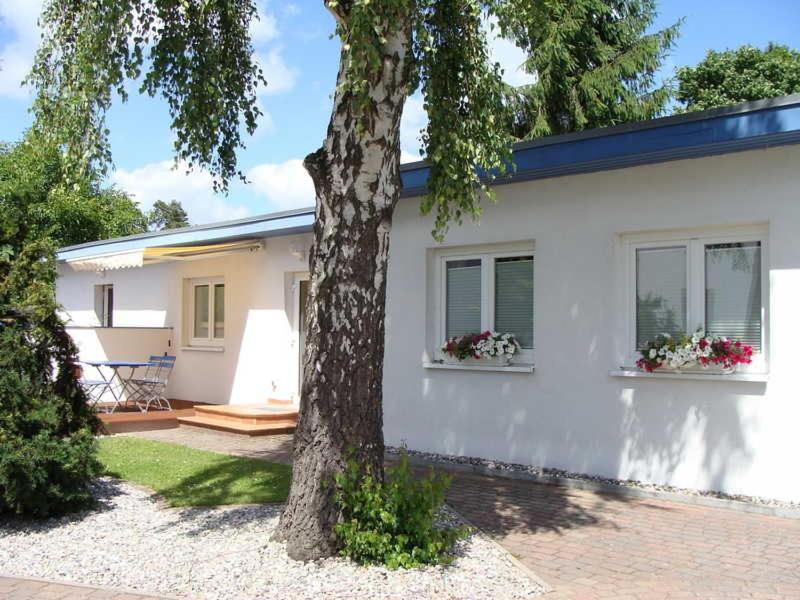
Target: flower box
{"type": "Point", "coordinates": [486, 348]}
{"type": "Point", "coordinates": [493, 361]}
{"type": "Point", "coordinates": [698, 353]}
{"type": "Point", "coordinates": [710, 370]}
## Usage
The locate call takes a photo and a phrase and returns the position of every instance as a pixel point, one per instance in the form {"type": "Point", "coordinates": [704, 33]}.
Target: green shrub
{"type": "Point", "coordinates": [394, 523]}
{"type": "Point", "coordinates": [47, 445]}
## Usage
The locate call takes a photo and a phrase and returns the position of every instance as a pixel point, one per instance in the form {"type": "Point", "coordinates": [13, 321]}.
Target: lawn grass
{"type": "Point", "coordinates": [188, 477]}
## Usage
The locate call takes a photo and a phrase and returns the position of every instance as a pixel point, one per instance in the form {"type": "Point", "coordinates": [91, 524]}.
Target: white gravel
{"type": "Point", "coordinates": [132, 542]}
{"type": "Point", "coordinates": [555, 474]}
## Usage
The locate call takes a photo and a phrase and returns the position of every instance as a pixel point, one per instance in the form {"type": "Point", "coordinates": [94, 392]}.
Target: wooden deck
{"type": "Point", "coordinates": [272, 417]}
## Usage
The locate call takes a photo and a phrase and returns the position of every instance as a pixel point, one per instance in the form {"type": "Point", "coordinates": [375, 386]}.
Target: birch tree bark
{"type": "Point", "coordinates": [356, 175]}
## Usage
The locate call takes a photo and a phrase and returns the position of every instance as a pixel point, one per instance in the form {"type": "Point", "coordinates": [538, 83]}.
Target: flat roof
{"type": "Point", "coordinates": [746, 126]}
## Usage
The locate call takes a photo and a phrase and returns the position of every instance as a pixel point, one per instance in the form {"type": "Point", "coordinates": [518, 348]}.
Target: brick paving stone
{"type": "Point", "coordinates": [12, 588]}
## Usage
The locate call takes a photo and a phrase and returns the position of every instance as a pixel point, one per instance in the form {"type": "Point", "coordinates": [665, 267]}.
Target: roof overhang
{"type": "Point", "coordinates": [128, 259]}
{"type": "Point", "coordinates": [261, 227]}
{"type": "Point", "coordinates": [748, 126]}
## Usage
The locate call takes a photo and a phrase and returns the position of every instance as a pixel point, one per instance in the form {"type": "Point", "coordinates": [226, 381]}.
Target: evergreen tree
{"type": "Point", "coordinates": [47, 446]}
{"type": "Point", "coordinates": [167, 215]}
{"type": "Point", "coordinates": [739, 75]}
{"type": "Point", "coordinates": [594, 64]}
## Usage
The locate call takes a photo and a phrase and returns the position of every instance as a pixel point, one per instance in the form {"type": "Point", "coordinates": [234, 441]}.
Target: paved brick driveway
{"type": "Point", "coordinates": [28, 589]}
{"type": "Point", "coordinates": [587, 545]}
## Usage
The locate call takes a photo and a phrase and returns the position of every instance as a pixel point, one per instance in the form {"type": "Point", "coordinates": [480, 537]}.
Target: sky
{"type": "Point", "coordinates": [294, 46]}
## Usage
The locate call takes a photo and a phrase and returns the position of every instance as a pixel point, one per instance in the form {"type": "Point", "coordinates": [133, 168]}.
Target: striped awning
{"type": "Point", "coordinates": [138, 258]}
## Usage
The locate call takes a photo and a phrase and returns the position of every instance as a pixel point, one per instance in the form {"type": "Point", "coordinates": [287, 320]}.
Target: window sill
{"type": "Point", "coordinates": [516, 368]}
{"type": "Point", "coordinates": [203, 348]}
{"type": "Point", "coordinates": [746, 377]}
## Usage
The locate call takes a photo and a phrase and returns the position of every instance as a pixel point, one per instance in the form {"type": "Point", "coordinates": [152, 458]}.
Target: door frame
{"type": "Point", "coordinates": [298, 351]}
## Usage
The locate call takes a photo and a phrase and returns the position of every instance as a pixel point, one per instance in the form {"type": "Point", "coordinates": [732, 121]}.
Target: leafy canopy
{"type": "Point", "coordinates": [167, 215]}
{"type": "Point", "coordinates": [199, 57]}
{"type": "Point", "coordinates": [739, 75]}
{"type": "Point", "coordinates": [196, 55]}
{"type": "Point", "coordinates": [34, 192]}
{"type": "Point", "coordinates": [594, 65]}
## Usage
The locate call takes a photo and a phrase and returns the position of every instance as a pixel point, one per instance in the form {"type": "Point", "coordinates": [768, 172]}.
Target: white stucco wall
{"type": "Point", "coordinates": [570, 413]}
{"type": "Point", "coordinates": [259, 357]}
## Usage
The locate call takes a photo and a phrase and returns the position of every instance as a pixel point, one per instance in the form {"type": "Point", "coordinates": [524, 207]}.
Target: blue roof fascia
{"type": "Point", "coordinates": [671, 138]}
{"type": "Point", "coordinates": [287, 225]}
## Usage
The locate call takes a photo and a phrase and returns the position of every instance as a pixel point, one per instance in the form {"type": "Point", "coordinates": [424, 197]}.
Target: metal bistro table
{"type": "Point", "coordinates": [118, 394]}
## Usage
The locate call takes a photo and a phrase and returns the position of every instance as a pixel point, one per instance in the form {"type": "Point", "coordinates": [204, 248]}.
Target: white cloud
{"type": "Point", "coordinates": [286, 185]}
{"type": "Point", "coordinates": [160, 181]}
{"type": "Point", "coordinates": [291, 10]}
{"type": "Point", "coordinates": [414, 120]}
{"type": "Point", "coordinates": [16, 57]}
{"type": "Point", "coordinates": [264, 28]}
{"type": "Point", "coordinates": [280, 77]}
{"type": "Point", "coordinates": [509, 55]}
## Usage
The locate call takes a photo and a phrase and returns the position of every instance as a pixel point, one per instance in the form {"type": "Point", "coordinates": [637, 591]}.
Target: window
{"type": "Point", "coordinates": [104, 304]}
{"type": "Point", "coordinates": [492, 290]}
{"type": "Point", "coordinates": [714, 283]}
{"type": "Point", "coordinates": [208, 311]}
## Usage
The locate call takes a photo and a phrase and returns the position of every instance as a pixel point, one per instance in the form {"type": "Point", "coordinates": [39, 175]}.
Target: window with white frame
{"type": "Point", "coordinates": [104, 304]}
{"type": "Point", "coordinates": [712, 282]}
{"type": "Point", "coordinates": [488, 290]}
{"type": "Point", "coordinates": [207, 311]}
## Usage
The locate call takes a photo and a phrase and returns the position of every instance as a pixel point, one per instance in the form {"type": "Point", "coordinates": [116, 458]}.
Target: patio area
{"type": "Point", "coordinates": [589, 545]}
{"type": "Point", "coordinates": [269, 418]}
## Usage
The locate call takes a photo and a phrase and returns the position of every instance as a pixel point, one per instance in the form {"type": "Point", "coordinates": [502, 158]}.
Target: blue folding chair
{"type": "Point", "coordinates": [94, 388]}
{"type": "Point", "coordinates": [151, 389]}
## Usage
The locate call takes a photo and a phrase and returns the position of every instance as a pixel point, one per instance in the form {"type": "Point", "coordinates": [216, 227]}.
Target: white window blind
{"type": "Point", "coordinates": [463, 297]}
{"type": "Point", "coordinates": [733, 291]}
{"type": "Point", "coordinates": [513, 304]}
{"type": "Point", "coordinates": [660, 292]}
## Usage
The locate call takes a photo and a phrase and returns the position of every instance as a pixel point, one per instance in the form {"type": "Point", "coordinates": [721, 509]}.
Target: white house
{"type": "Point", "coordinates": [600, 240]}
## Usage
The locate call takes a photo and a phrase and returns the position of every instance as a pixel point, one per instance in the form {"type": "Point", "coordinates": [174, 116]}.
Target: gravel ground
{"type": "Point", "coordinates": [131, 541]}
{"type": "Point", "coordinates": [500, 466]}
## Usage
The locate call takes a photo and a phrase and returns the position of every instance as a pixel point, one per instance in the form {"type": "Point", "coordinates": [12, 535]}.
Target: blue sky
{"type": "Point", "coordinates": [300, 60]}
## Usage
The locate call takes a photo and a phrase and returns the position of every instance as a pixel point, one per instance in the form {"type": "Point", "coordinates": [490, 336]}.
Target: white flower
{"type": "Point", "coordinates": [653, 352]}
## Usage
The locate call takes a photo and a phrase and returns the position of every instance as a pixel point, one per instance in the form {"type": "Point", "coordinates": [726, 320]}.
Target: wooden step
{"type": "Point", "coordinates": [247, 414]}
{"type": "Point", "coordinates": [270, 427]}
{"type": "Point", "coordinates": [126, 421]}
{"type": "Point", "coordinates": [279, 402]}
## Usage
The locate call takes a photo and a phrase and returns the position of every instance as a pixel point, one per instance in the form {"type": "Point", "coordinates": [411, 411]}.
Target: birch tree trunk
{"type": "Point", "coordinates": [356, 175]}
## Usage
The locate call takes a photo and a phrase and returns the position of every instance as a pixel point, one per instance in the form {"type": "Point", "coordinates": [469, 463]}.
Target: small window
{"type": "Point", "coordinates": [491, 291]}
{"type": "Point", "coordinates": [513, 297]}
{"type": "Point", "coordinates": [104, 304]}
{"type": "Point", "coordinates": [709, 283]}
{"type": "Point", "coordinates": [463, 297]}
{"type": "Point", "coordinates": [733, 291]}
{"type": "Point", "coordinates": [660, 292]}
{"type": "Point", "coordinates": [208, 311]}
